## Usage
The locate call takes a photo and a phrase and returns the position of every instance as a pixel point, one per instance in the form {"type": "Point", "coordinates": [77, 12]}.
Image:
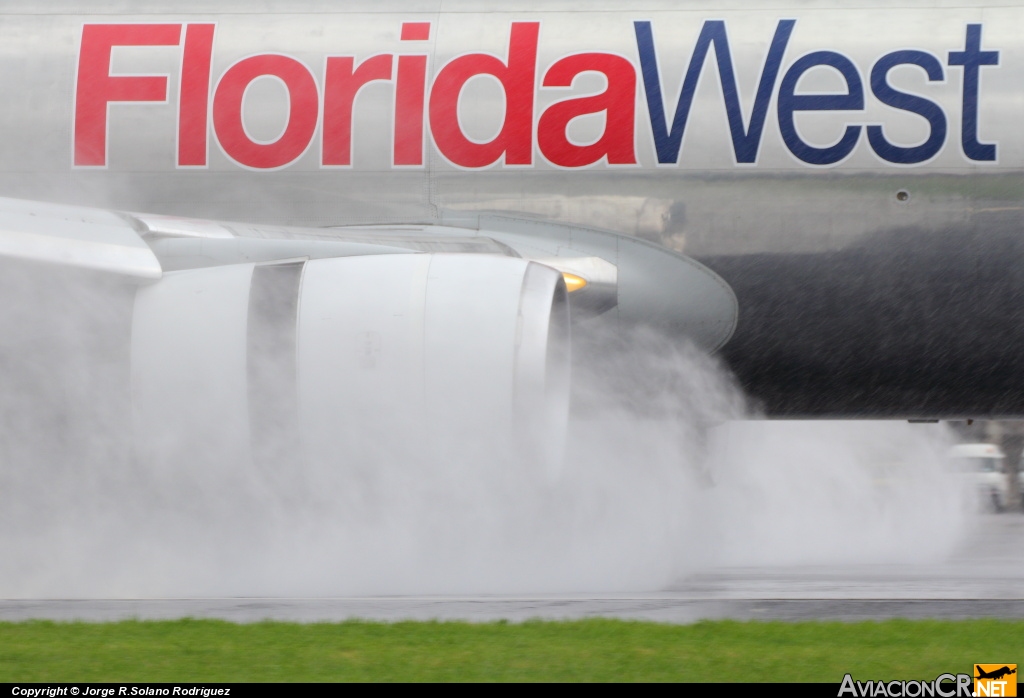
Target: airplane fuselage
{"type": "Point", "coordinates": [855, 174]}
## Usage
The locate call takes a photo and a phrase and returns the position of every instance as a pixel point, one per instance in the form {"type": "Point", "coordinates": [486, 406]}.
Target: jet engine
{"type": "Point", "coordinates": [335, 361]}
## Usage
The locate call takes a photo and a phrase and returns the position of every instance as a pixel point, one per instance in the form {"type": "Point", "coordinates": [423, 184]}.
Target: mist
{"type": "Point", "coordinates": [667, 472]}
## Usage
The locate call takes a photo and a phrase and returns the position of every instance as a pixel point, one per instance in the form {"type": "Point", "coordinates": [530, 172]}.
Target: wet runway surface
{"type": "Point", "coordinates": [984, 578]}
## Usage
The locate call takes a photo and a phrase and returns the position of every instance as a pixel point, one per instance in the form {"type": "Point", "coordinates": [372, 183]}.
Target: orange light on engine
{"type": "Point", "coordinates": [573, 282]}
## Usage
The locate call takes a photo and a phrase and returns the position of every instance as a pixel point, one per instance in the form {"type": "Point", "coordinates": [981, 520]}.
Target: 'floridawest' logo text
{"type": "Point", "coordinates": [421, 108]}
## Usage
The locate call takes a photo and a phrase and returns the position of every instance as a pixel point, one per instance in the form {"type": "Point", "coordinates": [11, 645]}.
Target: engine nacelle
{"type": "Point", "coordinates": [339, 361]}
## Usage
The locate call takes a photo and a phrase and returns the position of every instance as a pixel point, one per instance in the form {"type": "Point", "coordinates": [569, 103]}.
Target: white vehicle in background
{"type": "Point", "coordinates": [985, 465]}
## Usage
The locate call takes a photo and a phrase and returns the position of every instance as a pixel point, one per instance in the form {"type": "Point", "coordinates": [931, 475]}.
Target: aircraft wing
{"type": "Point", "coordinates": [86, 238]}
{"type": "Point", "coordinates": [625, 280]}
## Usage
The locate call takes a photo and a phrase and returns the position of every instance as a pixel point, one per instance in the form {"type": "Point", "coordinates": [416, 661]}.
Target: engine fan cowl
{"type": "Point", "coordinates": [341, 361]}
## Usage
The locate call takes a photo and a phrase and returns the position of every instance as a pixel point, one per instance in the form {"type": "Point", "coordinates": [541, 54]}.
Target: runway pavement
{"type": "Point", "coordinates": [985, 578]}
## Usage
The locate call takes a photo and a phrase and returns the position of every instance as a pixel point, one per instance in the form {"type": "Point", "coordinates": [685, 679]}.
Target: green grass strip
{"type": "Point", "coordinates": [586, 650]}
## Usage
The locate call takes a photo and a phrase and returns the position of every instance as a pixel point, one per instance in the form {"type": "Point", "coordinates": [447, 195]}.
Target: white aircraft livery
{"type": "Point", "coordinates": [829, 195]}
